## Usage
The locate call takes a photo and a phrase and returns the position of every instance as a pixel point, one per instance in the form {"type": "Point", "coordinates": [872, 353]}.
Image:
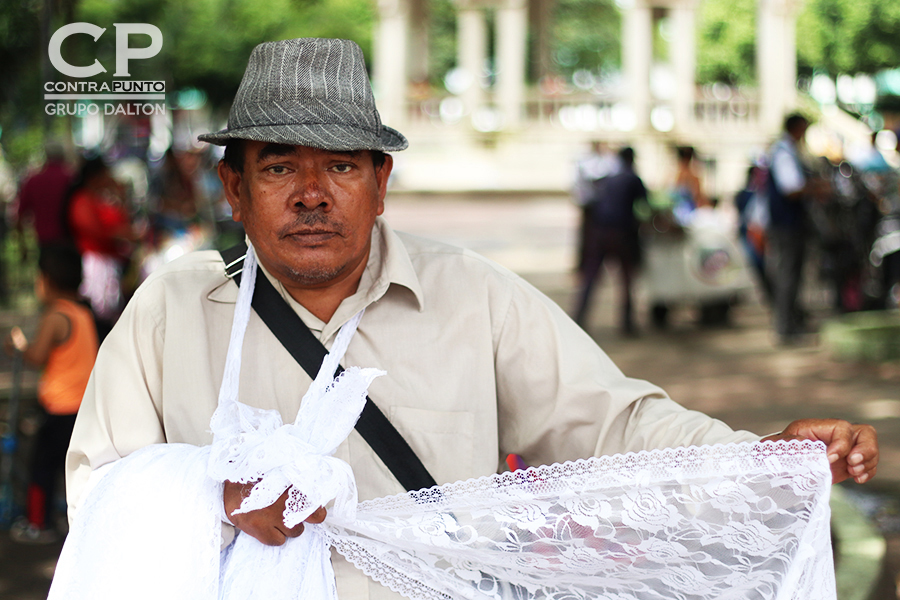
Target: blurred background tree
{"type": "Point", "coordinates": [206, 46]}
{"type": "Point", "coordinates": [586, 36]}
{"type": "Point", "coordinates": [207, 42]}
{"type": "Point", "coordinates": [726, 42]}
{"type": "Point", "coordinates": [848, 36]}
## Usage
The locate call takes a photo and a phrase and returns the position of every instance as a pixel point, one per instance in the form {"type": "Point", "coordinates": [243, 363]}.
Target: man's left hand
{"type": "Point", "coordinates": [852, 449]}
{"type": "Point", "coordinates": [265, 524]}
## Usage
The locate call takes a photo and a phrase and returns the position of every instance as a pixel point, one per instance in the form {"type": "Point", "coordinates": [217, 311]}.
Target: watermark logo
{"type": "Point", "coordinates": [117, 96]}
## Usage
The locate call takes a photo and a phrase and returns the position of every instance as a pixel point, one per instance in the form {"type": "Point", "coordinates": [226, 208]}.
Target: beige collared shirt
{"type": "Point", "coordinates": [479, 365]}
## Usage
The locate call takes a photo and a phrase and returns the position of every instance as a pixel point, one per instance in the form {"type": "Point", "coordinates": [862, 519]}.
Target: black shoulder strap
{"type": "Point", "coordinates": [309, 353]}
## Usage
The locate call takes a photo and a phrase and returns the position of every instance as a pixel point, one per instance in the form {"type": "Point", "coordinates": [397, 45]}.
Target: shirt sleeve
{"type": "Point", "coordinates": [786, 172]}
{"type": "Point", "coordinates": [562, 398]}
{"type": "Point", "coordinates": [121, 410]}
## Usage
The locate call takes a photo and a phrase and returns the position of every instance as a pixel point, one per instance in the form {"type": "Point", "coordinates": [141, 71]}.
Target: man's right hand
{"type": "Point", "coordinates": [266, 524]}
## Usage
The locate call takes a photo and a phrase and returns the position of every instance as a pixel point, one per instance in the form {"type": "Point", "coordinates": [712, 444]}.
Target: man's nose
{"type": "Point", "coordinates": [310, 191]}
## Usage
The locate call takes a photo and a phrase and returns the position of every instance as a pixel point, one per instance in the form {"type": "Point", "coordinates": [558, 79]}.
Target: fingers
{"type": "Point", "coordinates": [839, 438]}
{"type": "Point", "coordinates": [318, 516]}
{"type": "Point", "coordinates": [852, 449]}
{"type": "Point", "coordinates": [781, 437]}
{"type": "Point", "coordinates": [862, 459]}
{"type": "Point", "coordinates": [864, 473]}
{"type": "Point", "coordinates": [289, 532]}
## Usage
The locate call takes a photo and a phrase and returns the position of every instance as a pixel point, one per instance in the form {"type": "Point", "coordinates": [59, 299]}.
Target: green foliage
{"type": "Point", "coordinates": [20, 81]}
{"type": "Point", "coordinates": [586, 35]}
{"type": "Point", "coordinates": [726, 44]}
{"type": "Point", "coordinates": [848, 36]}
{"type": "Point", "coordinates": [206, 43]}
{"type": "Point", "coordinates": [442, 39]}
{"type": "Point", "coordinates": [22, 146]}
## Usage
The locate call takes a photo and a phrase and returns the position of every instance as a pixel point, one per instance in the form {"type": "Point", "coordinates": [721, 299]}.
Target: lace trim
{"type": "Point", "coordinates": [735, 458]}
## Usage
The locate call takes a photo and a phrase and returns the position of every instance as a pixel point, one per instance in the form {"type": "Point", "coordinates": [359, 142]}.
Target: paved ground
{"type": "Point", "coordinates": [733, 372]}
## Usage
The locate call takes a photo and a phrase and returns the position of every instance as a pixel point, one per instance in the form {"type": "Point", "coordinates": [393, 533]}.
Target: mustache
{"type": "Point", "coordinates": [312, 220]}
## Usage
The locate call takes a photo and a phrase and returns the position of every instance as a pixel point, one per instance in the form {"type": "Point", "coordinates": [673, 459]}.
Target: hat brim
{"type": "Point", "coordinates": [325, 136]}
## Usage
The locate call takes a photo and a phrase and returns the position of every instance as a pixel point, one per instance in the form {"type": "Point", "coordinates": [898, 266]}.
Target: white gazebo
{"type": "Point", "coordinates": [508, 136]}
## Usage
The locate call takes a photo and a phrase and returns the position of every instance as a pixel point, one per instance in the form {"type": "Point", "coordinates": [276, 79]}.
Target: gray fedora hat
{"type": "Point", "coordinates": [308, 92]}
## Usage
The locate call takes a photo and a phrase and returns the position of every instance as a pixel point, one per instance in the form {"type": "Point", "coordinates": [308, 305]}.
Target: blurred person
{"type": "Point", "coordinates": [791, 186]}
{"type": "Point", "coordinates": [8, 191]}
{"type": "Point", "coordinates": [101, 229]}
{"type": "Point", "coordinates": [41, 198]}
{"type": "Point", "coordinates": [844, 223]}
{"type": "Point", "coordinates": [687, 190]}
{"type": "Point", "coordinates": [612, 232]}
{"type": "Point", "coordinates": [870, 159]}
{"type": "Point", "coordinates": [177, 223]}
{"type": "Point", "coordinates": [65, 347]}
{"type": "Point", "coordinates": [599, 162]}
{"type": "Point", "coordinates": [175, 195]}
{"type": "Point", "coordinates": [752, 205]}
{"type": "Point", "coordinates": [883, 252]}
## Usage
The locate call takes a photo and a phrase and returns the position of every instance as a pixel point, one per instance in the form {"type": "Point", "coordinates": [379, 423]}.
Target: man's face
{"type": "Point", "coordinates": [308, 212]}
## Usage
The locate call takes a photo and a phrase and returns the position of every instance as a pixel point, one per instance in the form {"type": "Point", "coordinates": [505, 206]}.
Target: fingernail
{"type": "Point", "coordinates": [862, 478]}
{"type": "Point", "coordinates": [855, 458]}
{"type": "Point", "coordinates": [832, 458]}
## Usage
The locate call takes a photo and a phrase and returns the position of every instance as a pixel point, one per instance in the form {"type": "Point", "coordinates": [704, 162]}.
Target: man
{"type": "Point", "coordinates": [789, 189]}
{"type": "Point", "coordinates": [41, 198]}
{"type": "Point", "coordinates": [590, 169]}
{"type": "Point", "coordinates": [479, 363]}
{"type": "Point", "coordinates": [613, 233]}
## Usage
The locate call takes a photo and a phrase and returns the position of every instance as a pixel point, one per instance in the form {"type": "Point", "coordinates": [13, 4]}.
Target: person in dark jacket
{"type": "Point", "coordinates": [612, 232]}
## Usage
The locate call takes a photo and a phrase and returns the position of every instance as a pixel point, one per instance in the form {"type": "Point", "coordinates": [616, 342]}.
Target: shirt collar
{"type": "Point", "coordinates": [388, 264]}
{"type": "Point", "coordinates": [391, 259]}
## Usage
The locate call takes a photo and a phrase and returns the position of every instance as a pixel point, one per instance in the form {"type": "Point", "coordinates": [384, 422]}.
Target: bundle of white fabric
{"type": "Point", "coordinates": [733, 521]}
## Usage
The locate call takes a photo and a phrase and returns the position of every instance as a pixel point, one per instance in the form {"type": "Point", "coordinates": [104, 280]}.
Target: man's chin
{"type": "Point", "coordinates": [314, 275]}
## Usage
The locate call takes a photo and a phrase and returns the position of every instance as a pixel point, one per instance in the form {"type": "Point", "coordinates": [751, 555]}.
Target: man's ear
{"type": "Point", "coordinates": [231, 185]}
{"type": "Point", "coordinates": [382, 174]}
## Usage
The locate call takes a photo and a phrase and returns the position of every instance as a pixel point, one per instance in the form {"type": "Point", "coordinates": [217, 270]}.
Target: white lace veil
{"type": "Point", "coordinates": [738, 521]}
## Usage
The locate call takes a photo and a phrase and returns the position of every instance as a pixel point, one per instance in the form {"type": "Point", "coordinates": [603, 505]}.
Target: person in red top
{"type": "Point", "coordinates": [101, 228]}
{"type": "Point", "coordinates": [65, 345]}
{"type": "Point", "coordinates": [42, 195]}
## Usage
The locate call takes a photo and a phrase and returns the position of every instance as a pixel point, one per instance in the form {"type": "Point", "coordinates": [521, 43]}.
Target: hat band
{"type": "Point", "coordinates": [306, 111]}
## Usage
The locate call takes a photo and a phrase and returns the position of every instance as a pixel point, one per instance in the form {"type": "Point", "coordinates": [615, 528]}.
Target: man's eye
{"type": "Point", "coordinates": [277, 170]}
{"type": "Point", "coordinates": [342, 168]}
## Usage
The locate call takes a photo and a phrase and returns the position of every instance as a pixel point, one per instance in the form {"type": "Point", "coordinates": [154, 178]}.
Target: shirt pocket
{"type": "Point", "coordinates": [443, 440]}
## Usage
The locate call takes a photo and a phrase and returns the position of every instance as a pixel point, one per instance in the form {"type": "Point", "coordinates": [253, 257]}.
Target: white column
{"type": "Point", "coordinates": [767, 66]}
{"type": "Point", "coordinates": [389, 63]}
{"type": "Point", "coordinates": [776, 60]}
{"type": "Point", "coordinates": [637, 50]}
{"type": "Point", "coordinates": [684, 61]}
{"type": "Point", "coordinates": [789, 77]}
{"type": "Point", "coordinates": [512, 50]}
{"type": "Point", "coordinates": [418, 54]}
{"type": "Point", "coordinates": [540, 23]}
{"type": "Point", "coordinates": [471, 52]}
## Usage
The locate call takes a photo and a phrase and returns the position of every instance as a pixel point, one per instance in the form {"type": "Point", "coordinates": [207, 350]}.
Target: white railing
{"type": "Point", "coordinates": [576, 111]}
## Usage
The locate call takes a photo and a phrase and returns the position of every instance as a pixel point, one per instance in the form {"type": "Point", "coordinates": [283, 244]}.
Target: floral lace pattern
{"type": "Point", "coordinates": [735, 521]}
